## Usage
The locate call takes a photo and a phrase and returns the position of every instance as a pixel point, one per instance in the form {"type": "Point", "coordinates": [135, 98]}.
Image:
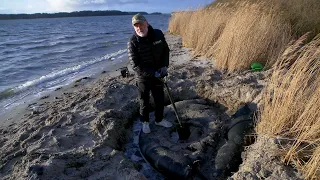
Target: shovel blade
{"type": "Point", "coordinates": [183, 132]}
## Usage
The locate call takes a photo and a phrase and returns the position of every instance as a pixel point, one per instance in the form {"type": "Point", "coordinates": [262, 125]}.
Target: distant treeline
{"type": "Point", "coordinates": [67, 14]}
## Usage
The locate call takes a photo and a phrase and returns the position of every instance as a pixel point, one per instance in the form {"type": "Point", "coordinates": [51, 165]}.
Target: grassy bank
{"type": "Point", "coordinates": [237, 33]}
{"type": "Point", "coordinates": [291, 106]}
{"type": "Point", "coordinates": [280, 34]}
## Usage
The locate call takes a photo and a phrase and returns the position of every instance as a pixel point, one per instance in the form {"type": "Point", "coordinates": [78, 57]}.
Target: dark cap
{"type": "Point", "coordinates": [138, 18]}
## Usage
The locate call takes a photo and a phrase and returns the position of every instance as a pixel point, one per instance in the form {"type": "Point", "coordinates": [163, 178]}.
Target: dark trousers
{"type": "Point", "coordinates": [156, 87]}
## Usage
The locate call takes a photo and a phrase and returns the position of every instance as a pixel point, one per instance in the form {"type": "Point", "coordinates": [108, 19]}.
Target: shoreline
{"type": "Point", "coordinates": [19, 111]}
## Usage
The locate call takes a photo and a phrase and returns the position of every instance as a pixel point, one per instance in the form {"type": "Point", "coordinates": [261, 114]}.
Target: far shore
{"type": "Point", "coordinates": [71, 14]}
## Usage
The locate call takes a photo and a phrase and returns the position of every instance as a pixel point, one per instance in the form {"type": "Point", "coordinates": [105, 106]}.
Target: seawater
{"type": "Point", "coordinates": [40, 55]}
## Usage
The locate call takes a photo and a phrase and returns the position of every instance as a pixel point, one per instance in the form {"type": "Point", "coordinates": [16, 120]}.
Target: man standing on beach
{"type": "Point", "coordinates": [148, 53]}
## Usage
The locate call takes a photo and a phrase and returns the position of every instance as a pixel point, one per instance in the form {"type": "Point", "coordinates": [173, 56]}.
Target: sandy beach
{"type": "Point", "coordinates": [80, 131]}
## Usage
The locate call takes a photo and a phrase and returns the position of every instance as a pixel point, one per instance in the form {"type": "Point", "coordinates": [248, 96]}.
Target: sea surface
{"type": "Point", "coordinates": [38, 56]}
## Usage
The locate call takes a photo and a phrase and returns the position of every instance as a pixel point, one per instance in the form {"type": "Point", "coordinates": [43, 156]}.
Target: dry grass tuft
{"type": "Point", "coordinates": [291, 107]}
{"type": "Point", "coordinates": [179, 21]}
{"type": "Point", "coordinates": [312, 167]}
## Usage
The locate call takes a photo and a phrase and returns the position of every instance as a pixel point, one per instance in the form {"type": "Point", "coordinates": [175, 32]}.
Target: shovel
{"type": "Point", "coordinates": [183, 131]}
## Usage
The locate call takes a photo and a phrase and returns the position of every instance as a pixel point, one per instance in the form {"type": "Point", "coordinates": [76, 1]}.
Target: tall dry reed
{"type": "Point", "coordinates": [235, 33]}
{"type": "Point", "coordinates": [303, 15]}
{"type": "Point", "coordinates": [251, 34]}
{"type": "Point", "coordinates": [291, 108]}
{"type": "Point", "coordinates": [233, 36]}
{"type": "Point", "coordinates": [179, 21]}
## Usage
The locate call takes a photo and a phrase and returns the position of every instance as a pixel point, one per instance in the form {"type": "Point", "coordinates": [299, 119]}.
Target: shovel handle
{"type": "Point", "coordinates": [172, 102]}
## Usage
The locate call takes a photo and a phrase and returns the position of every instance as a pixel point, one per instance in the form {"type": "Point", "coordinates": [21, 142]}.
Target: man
{"type": "Point", "coordinates": [148, 53]}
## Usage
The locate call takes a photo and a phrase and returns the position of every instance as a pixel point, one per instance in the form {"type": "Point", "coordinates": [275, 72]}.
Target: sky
{"type": "Point", "coordinates": [50, 6]}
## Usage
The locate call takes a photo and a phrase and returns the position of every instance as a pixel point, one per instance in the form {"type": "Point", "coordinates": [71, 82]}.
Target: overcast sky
{"type": "Point", "coordinates": [38, 6]}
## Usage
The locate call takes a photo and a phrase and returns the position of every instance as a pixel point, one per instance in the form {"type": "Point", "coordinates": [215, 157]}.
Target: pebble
{"type": "Point", "coordinates": [44, 97]}
{"type": "Point", "coordinates": [34, 112]}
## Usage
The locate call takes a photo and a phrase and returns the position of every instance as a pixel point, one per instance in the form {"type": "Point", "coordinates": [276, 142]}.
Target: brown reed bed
{"type": "Point", "coordinates": [291, 107]}
{"type": "Point", "coordinates": [236, 33]}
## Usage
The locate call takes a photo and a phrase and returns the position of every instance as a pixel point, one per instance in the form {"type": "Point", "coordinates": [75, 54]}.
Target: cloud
{"type": "Point", "coordinates": [62, 5]}
{"type": "Point", "coordinates": [4, 10]}
{"type": "Point", "coordinates": [73, 5]}
{"type": "Point", "coordinates": [94, 2]}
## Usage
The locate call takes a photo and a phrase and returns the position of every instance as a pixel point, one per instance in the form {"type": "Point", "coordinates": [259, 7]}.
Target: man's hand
{"type": "Point", "coordinates": [157, 74]}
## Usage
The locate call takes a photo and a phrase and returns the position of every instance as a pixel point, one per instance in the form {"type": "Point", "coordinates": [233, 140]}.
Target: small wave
{"type": "Point", "coordinates": [37, 41]}
{"type": "Point", "coordinates": [67, 71]}
{"type": "Point", "coordinates": [8, 52]}
{"type": "Point", "coordinates": [11, 44]}
{"type": "Point", "coordinates": [70, 37]}
{"type": "Point", "coordinates": [109, 34]}
{"type": "Point", "coordinates": [6, 93]}
{"type": "Point", "coordinates": [64, 42]}
{"type": "Point", "coordinates": [121, 56]}
{"type": "Point", "coordinates": [88, 38]}
{"type": "Point", "coordinates": [48, 54]}
{"type": "Point", "coordinates": [51, 45]}
{"type": "Point", "coordinates": [22, 43]}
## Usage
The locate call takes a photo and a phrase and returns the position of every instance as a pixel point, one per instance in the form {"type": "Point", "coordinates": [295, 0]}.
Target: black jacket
{"type": "Point", "coordinates": [148, 54]}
